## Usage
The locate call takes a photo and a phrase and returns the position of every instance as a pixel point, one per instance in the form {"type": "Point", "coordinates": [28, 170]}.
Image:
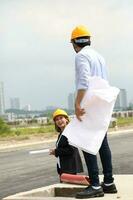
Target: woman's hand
{"type": "Point", "coordinates": [52, 152]}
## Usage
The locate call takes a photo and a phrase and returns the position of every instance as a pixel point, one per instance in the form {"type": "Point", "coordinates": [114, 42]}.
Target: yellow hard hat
{"type": "Point", "coordinates": [80, 31]}
{"type": "Point", "coordinates": [60, 112]}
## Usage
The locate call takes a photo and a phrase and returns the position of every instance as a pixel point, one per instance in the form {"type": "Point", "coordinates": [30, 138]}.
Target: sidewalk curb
{"type": "Point", "coordinates": [27, 144]}
{"type": "Point", "coordinates": [123, 183]}
{"type": "Point", "coordinates": [121, 131]}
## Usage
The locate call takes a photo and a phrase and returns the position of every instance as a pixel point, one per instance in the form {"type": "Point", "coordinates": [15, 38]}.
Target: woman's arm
{"type": "Point", "coordinates": [64, 151]}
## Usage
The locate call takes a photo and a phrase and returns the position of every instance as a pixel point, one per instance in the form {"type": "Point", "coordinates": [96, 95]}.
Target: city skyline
{"type": "Point", "coordinates": [15, 103]}
{"type": "Point", "coordinates": [2, 99]}
{"type": "Point", "coordinates": [71, 101]}
{"type": "Point", "coordinates": [36, 56]}
{"type": "Point", "coordinates": [121, 102]}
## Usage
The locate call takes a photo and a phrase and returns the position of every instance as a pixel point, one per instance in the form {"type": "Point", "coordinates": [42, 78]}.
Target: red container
{"type": "Point", "coordinates": [75, 179]}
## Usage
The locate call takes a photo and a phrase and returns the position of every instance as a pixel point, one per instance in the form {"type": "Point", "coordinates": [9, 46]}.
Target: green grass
{"type": "Point", "coordinates": [125, 121]}
{"type": "Point", "coordinates": [25, 133]}
{"type": "Point", "coordinates": [47, 131]}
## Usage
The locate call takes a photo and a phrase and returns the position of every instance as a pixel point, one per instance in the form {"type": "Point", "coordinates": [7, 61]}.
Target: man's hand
{"type": "Point", "coordinates": [79, 112]}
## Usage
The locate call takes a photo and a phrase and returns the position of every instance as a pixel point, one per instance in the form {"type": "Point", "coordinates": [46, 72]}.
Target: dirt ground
{"type": "Point", "coordinates": [31, 140]}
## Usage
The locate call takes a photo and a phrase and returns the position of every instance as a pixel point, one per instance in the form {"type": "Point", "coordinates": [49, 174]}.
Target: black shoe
{"type": "Point", "coordinates": [90, 192]}
{"type": "Point", "coordinates": [109, 189]}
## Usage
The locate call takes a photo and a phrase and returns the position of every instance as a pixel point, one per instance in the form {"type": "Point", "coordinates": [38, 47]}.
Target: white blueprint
{"type": "Point", "coordinates": [98, 103]}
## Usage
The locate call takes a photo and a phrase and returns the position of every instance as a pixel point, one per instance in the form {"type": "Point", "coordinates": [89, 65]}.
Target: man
{"type": "Point", "coordinates": [90, 63]}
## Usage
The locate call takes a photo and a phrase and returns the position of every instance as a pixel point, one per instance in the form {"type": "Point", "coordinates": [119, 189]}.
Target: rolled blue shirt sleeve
{"type": "Point", "coordinates": [82, 69]}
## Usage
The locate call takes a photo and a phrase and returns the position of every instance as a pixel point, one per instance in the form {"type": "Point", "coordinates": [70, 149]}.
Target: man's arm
{"type": "Point", "coordinates": [82, 67]}
{"type": "Point", "coordinates": [78, 110]}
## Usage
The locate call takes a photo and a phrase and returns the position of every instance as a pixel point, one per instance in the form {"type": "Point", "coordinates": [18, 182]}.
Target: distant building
{"type": "Point", "coordinates": [121, 102]}
{"type": "Point", "coordinates": [71, 100]}
{"type": "Point", "coordinates": [51, 108]}
{"type": "Point", "coordinates": [131, 104]}
{"type": "Point", "coordinates": [15, 103]}
{"type": "Point", "coordinates": [11, 117]}
{"type": "Point", "coordinates": [2, 100]}
{"type": "Point", "coordinates": [27, 107]}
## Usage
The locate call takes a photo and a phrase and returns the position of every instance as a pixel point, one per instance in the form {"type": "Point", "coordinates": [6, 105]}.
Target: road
{"type": "Point", "coordinates": [20, 171]}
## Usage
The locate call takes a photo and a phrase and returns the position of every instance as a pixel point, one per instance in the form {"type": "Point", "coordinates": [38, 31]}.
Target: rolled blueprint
{"type": "Point", "coordinates": [39, 151]}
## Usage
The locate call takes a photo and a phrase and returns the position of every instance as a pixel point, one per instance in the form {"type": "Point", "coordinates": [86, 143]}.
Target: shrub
{"type": "Point", "coordinates": [4, 128]}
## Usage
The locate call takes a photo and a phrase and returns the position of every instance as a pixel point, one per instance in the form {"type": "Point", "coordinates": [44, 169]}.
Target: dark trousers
{"type": "Point", "coordinates": [92, 166]}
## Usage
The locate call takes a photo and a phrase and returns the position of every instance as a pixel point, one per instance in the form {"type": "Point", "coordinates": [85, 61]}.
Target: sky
{"type": "Point", "coordinates": [37, 58]}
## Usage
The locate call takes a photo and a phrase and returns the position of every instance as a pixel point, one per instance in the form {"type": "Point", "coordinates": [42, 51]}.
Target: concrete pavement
{"type": "Point", "coordinates": [124, 182]}
{"type": "Point", "coordinates": [124, 185]}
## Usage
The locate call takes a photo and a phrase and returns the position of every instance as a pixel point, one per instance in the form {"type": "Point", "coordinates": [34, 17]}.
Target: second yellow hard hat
{"type": "Point", "coordinates": [60, 112]}
{"type": "Point", "coordinates": [80, 31]}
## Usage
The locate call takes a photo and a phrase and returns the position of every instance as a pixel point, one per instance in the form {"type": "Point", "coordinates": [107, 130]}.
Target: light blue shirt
{"type": "Point", "coordinates": [88, 63]}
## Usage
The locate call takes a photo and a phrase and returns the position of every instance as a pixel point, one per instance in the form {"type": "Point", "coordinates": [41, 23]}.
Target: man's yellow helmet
{"type": "Point", "coordinates": [80, 31]}
{"type": "Point", "coordinates": [60, 112]}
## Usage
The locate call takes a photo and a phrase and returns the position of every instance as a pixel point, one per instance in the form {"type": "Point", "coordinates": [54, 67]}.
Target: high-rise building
{"type": "Point", "coordinates": [2, 101]}
{"type": "Point", "coordinates": [121, 102]}
{"type": "Point", "coordinates": [71, 100]}
{"type": "Point", "coordinates": [131, 104]}
{"type": "Point", "coordinates": [27, 107]}
{"type": "Point", "coordinates": [51, 108]}
{"type": "Point", "coordinates": [15, 103]}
